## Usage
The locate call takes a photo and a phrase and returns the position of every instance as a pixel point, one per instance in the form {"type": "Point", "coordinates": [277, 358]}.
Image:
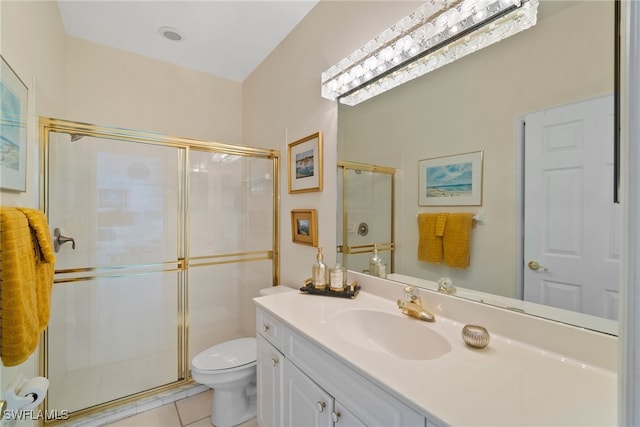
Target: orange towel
{"type": "Point", "coordinates": [26, 278]}
{"type": "Point", "coordinates": [45, 260]}
{"type": "Point", "coordinates": [456, 240]}
{"type": "Point", "coordinates": [441, 223]}
{"type": "Point", "coordinates": [429, 244]}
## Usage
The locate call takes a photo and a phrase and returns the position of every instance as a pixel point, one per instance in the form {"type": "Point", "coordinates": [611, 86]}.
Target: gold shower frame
{"type": "Point", "coordinates": [48, 125]}
{"type": "Point", "coordinates": [345, 249]}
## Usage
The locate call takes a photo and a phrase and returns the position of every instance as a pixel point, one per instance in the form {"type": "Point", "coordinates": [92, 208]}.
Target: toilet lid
{"type": "Point", "coordinates": [230, 354]}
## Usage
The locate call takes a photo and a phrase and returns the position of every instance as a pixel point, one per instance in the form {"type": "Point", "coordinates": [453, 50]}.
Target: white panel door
{"type": "Point", "coordinates": [572, 226]}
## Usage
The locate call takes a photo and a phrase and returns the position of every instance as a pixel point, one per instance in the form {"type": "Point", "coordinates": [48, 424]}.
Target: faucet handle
{"type": "Point", "coordinates": [410, 293]}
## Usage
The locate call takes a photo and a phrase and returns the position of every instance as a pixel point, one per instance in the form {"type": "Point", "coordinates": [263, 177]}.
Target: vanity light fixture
{"type": "Point", "coordinates": [435, 34]}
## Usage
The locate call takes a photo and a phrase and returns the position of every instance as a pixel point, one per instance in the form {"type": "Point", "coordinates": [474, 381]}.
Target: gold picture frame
{"type": "Point", "coordinates": [305, 164]}
{"type": "Point", "coordinates": [304, 226]}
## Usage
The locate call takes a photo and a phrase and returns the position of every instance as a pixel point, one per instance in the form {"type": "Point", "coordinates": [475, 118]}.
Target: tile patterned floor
{"type": "Point", "coordinates": [194, 411]}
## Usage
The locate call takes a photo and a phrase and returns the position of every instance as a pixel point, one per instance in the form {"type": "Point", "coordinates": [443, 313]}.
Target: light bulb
{"type": "Point", "coordinates": [357, 71]}
{"type": "Point", "coordinates": [387, 54]}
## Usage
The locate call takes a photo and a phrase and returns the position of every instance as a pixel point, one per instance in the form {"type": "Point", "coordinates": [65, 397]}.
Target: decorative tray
{"type": "Point", "coordinates": [347, 293]}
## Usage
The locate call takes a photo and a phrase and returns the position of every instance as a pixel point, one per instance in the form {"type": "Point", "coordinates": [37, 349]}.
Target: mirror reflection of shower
{"type": "Point", "coordinates": [366, 199]}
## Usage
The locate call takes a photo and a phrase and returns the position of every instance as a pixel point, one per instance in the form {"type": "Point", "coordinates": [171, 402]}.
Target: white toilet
{"type": "Point", "coordinates": [230, 369]}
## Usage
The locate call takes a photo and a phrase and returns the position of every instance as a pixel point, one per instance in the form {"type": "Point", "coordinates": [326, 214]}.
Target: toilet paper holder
{"type": "Point", "coordinates": [22, 393]}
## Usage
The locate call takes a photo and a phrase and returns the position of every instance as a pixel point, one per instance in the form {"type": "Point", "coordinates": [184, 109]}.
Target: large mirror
{"type": "Point", "coordinates": [540, 108]}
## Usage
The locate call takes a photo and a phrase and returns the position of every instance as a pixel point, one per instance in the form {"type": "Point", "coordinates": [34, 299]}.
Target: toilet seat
{"type": "Point", "coordinates": [227, 356]}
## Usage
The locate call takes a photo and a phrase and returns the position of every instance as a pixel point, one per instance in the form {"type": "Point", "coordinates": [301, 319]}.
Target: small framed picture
{"type": "Point", "coordinates": [451, 180]}
{"type": "Point", "coordinates": [304, 226]}
{"type": "Point", "coordinates": [305, 164]}
{"type": "Point", "coordinates": [13, 130]}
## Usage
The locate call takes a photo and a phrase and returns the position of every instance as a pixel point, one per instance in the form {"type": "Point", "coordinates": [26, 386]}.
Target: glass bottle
{"type": "Point", "coordinates": [375, 262]}
{"type": "Point", "coordinates": [338, 279]}
{"type": "Point", "coordinates": [319, 272]}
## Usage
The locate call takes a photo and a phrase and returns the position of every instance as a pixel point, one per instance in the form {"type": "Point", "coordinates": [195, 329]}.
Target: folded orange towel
{"type": "Point", "coordinates": [26, 278]}
{"type": "Point", "coordinates": [441, 223]}
{"type": "Point", "coordinates": [456, 240]}
{"type": "Point", "coordinates": [429, 244]}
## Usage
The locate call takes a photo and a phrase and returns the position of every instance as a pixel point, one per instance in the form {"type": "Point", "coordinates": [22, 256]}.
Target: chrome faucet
{"type": "Point", "coordinates": [411, 305]}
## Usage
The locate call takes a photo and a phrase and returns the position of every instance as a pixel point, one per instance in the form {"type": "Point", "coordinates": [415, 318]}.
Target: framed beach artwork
{"type": "Point", "coordinates": [304, 226]}
{"type": "Point", "coordinates": [305, 164]}
{"type": "Point", "coordinates": [13, 130]}
{"type": "Point", "coordinates": [451, 180]}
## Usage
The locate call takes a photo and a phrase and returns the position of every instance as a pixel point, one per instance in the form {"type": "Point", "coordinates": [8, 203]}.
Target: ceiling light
{"type": "Point", "coordinates": [171, 33]}
{"type": "Point", "coordinates": [435, 34]}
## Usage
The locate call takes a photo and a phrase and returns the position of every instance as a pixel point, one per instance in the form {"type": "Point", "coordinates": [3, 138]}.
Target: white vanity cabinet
{"type": "Point", "coordinates": [316, 388]}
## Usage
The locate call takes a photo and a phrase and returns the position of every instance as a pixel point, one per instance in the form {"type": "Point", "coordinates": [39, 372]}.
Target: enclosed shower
{"type": "Point", "coordinates": [162, 243]}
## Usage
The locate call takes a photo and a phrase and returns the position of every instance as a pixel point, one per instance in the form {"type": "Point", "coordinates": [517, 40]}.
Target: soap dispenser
{"type": "Point", "coordinates": [375, 262]}
{"type": "Point", "coordinates": [319, 272]}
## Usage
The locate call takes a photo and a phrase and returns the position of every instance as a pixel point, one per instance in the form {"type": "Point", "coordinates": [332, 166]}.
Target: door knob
{"type": "Point", "coordinates": [533, 265]}
{"type": "Point", "coordinates": [59, 240]}
{"type": "Point", "coordinates": [320, 406]}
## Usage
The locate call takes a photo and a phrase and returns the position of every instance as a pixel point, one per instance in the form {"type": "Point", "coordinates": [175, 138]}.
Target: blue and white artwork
{"type": "Point", "coordinates": [453, 180]}
{"type": "Point", "coordinates": [13, 130]}
{"type": "Point", "coordinates": [304, 164]}
{"type": "Point", "coordinates": [303, 226]}
{"type": "Point", "coordinates": [10, 128]}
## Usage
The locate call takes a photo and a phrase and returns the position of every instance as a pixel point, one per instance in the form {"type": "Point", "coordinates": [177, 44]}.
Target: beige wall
{"type": "Point", "coordinates": [471, 105]}
{"type": "Point", "coordinates": [111, 87]}
{"type": "Point", "coordinates": [282, 103]}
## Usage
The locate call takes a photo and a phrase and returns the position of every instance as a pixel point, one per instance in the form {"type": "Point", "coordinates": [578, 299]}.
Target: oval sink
{"type": "Point", "coordinates": [400, 336]}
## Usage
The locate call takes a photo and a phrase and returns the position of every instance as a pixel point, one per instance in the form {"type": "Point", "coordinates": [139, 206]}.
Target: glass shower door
{"type": "Point", "coordinates": [117, 314]}
{"type": "Point", "coordinates": [231, 218]}
{"type": "Point", "coordinates": [366, 214]}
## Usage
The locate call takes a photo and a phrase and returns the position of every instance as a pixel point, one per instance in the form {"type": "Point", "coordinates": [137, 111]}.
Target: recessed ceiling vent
{"type": "Point", "coordinates": [171, 33]}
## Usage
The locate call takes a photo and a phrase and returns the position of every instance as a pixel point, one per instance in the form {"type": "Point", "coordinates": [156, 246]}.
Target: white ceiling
{"type": "Point", "coordinates": [227, 39]}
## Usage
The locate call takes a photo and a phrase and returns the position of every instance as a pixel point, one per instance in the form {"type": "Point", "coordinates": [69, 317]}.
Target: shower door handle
{"type": "Point", "coordinates": [59, 240]}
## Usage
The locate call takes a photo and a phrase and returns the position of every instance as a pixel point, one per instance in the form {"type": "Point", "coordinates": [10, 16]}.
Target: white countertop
{"type": "Point", "coordinates": [507, 383]}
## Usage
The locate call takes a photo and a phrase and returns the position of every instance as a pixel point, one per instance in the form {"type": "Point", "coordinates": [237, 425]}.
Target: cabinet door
{"type": "Point", "coordinates": [305, 403]}
{"type": "Point", "coordinates": [269, 383]}
{"type": "Point", "coordinates": [343, 418]}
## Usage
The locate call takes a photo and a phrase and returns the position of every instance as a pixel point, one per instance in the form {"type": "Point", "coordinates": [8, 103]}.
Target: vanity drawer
{"type": "Point", "coordinates": [270, 328]}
